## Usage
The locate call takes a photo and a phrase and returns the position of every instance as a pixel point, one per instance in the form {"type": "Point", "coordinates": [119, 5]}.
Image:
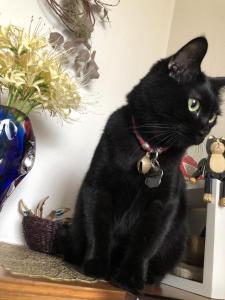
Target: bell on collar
{"type": "Point", "coordinates": [144, 164]}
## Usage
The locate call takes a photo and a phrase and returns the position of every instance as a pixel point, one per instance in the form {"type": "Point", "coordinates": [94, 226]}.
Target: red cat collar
{"type": "Point", "coordinates": [145, 146]}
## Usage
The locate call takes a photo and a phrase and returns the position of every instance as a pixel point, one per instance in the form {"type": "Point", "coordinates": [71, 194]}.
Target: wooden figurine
{"type": "Point", "coordinates": [212, 167]}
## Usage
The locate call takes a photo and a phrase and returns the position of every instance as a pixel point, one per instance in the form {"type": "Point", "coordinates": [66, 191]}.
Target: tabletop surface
{"type": "Point", "coordinates": [22, 288]}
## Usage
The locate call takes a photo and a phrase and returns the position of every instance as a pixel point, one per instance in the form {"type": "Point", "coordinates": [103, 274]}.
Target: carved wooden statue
{"type": "Point", "coordinates": [212, 167]}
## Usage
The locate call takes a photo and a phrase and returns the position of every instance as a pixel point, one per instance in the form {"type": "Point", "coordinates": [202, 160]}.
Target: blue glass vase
{"type": "Point", "coordinates": [17, 149]}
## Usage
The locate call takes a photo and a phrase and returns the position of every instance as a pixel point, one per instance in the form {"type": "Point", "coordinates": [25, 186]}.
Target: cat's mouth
{"type": "Point", "coordinates": [189, 139]}
{"type": "Point", "coordinates": [198, 139]}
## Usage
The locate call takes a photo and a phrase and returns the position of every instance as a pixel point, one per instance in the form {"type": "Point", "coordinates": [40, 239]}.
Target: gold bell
{"type": "Point", "coordinates": [144, 164]}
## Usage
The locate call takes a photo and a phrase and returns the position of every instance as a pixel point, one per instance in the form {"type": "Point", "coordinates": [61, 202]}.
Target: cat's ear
{"type": "Point", "coordinates": [185, 65]}
{"type": "Point", "coordinates": [211, 137]}
{"type": "Point", "coordinates": [217, 84]}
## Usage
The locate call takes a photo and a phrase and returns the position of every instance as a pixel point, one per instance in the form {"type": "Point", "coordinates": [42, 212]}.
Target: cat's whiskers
{"type": "Point", "coordinates": [150, 125]}
{"type": "Point", "coordinates": [167, 137]}
{"type": "Point", "coordinates": [171, 140]}
{"type": "Point", "coordinates": [156, 129]}
{"type": "Point", "coordinates": [152, 135]}
{"type": "Point", "coordinates": [160, 133]}
{"type": "Point", "coordinates": [155, 126]}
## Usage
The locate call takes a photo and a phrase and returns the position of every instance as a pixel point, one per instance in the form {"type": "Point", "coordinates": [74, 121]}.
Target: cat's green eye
{"type": "Point", "coordinates": [193, 104]}
{"type": "Point", "coordinates": [213, 119]}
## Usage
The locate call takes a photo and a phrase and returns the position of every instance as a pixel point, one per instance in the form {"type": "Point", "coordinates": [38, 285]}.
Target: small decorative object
{"type": "Point", "coordinates": [192, 263]}
{"type": "Point", "coordinates": [188, 166]}
{"type": "Point", "coordinates": [195, 251]}
{"type": "Point", "coordinates": [154, 176]}
{"type": "Point", "coordinates": [78, 56]}
{"type": "Point", "coordinates": [40, 233]}
{"type": "Point", "coordinates": [144, 164]}
{"type": "Point", "coordinates": [30, 77]}
{"type": "Point", "coordinates": [190, 272]}
{"type": "Point", "coordinates": [148, 165]}
{"type": "Point", "coordinates": [212, 167]}
{"type": "Point", "coordinates": [79, 18]}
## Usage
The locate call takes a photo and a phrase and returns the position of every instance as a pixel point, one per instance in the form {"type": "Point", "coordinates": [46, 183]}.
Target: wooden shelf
{"type": "Point", "coordinates": [21, 288]}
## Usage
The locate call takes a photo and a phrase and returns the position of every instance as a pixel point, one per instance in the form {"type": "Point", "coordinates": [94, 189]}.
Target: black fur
{"type": "Point", "coordinates": [122, 230]}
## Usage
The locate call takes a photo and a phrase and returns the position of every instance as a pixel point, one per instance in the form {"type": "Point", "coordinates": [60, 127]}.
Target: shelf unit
{"type": "Point", "coordinates": [213, 284]}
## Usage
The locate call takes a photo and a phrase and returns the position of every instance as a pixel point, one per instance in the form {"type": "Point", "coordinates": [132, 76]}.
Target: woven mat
{"type": "Point", "coordinates": [20, 260]}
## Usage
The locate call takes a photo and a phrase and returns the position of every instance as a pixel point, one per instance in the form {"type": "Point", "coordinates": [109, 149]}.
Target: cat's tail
{"type": "Point", "coordinates": [63, 240]}
{"type": "Point", "coordinates": [69, 244]}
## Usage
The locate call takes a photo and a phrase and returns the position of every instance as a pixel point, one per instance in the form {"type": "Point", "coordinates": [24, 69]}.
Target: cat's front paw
{"type": "Point", "coordinates": [128, 279]}
{"type": "Point", "coordinates": [97, 268]}
{"type": "Point", "coordinates": [154, 279]}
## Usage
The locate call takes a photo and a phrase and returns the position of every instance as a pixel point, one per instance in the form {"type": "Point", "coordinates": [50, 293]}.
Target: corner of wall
{"type": "Point", "coordinates": [170, 26]}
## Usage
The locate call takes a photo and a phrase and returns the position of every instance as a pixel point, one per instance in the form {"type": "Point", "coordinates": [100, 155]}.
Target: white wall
{"type": "Point", "coordinates": [136, 37]}
{"type": "Point", "coordinates": [202, 17]}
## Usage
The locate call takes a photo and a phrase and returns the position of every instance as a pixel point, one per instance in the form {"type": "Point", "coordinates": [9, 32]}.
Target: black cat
{"type": "Point", "coordinates": [123, 230]}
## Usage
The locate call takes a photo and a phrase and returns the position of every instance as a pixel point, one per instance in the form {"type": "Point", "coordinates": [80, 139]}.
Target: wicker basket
{"type": "Point", "coordinates": [40, 234]}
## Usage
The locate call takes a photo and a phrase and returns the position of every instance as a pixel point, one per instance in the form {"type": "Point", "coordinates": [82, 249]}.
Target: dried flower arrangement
{"type": "Point", "coordinates": [79, 18]}
{"type": "Point", "coordinates": [31, 72]}
{"type": "Point", "coordinates": [55, 215]}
